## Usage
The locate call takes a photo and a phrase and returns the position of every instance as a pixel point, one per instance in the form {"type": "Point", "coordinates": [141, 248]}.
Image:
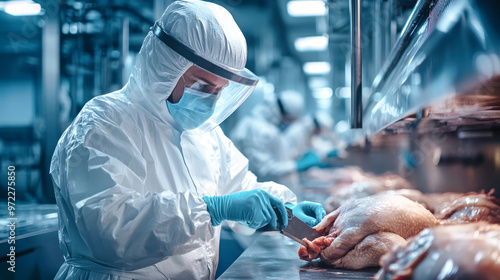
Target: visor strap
{"type": "Point", "coordinates": [190, 55]}
{"type": "Point", "coordinates": [280, 106]}
{"type": "Point", "coordinates": [316, 123]}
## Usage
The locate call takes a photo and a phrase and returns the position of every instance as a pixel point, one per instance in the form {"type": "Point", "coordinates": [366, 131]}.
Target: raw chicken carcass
{"type": "Point", "coordinates": [338, 176]}
{"type": "Point", "coordinates": [366, 253]}
{"type": "Point", "coordinates": [434, 202]}
{"type": "Point", "coordinates": [360, 231]}
{"type": "Point", "coordinates": [394, 182]}
{"type": "Point", "coordinates": [413, 195]}
{"type": "Point", "coordinates": [438, 201]}
{"type": "Point", "coordinates": [346, 193]}
{"type": "Point", "coordinates": [456, 207]}
{"type": "Point", "coordinates": [369, 185]}
{"type": "Point", "coordinates": [466, 252]}
{"type": "Point", "coordinates": [471, 207]}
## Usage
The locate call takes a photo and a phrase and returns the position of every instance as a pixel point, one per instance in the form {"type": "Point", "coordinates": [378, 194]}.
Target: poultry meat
{"type": "Point", "coordinates": [360, 231]}
{"type": "Point", "coordinates": [413, 195]}
{"type": "Point", "coordinates": [366, 186]}
{"type": "Point", "coordinates": [466, 252]}
{"type": "Point", "coordinates": [471, 207]}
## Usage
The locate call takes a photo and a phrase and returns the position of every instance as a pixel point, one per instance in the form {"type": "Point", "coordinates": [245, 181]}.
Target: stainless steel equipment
{"type": "Point", "coordinates": [442, 62]}
{"type": "Point", "coordinates": [270, 257]}
{"type": "Point", "coordinates": [433, 114]}
{"type": "Point", "coordinates": [356, 73]}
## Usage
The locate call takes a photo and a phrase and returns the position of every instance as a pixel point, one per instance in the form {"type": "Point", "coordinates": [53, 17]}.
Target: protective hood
{"type": "Point", "coordinates": [268, 109]}
{"type": "Point", "coordinates": [206, 28]}
{"type": "Point", "coordinates": [292, 104]}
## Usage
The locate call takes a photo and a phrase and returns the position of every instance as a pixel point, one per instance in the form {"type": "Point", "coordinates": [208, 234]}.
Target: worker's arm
{"type": "Point", "coordinates": [102, 181]}
{"type": "Point", "coordinates": [237, 178]}
{"type": "Point", "coordinates": [255, 209]}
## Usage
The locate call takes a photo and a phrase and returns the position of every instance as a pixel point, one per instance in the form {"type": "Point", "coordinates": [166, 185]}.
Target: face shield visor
{"type": "Point", "coordinates": [223, 88]}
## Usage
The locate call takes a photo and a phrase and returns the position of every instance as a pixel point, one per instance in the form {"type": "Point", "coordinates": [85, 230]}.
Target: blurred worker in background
{"type": "Point", "coordinates": [261, 137]}
{"type": "Point", "coordinates": [314, 133]}
{"type": "Point", "coordinates": [144, 176]}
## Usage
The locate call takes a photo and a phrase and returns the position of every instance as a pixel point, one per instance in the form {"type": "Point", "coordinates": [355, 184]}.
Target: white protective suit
{"type": "Point", "coordinates": [259, 138]}
{"type": "Point", "coordinates": [129, 181]}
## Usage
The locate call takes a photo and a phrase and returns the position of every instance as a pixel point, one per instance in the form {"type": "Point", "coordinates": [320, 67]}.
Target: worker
{"type": "Point", "coordinates": [261, 137]}
{"type": "Point", "coordinates": [144, 175]}
{"type": "Point", "coordinates": [315, 133]}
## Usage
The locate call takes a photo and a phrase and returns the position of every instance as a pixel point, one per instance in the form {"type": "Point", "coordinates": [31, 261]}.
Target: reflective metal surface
{"type": "Point", "coordinates": [31, 218]}
{"type": "Point", "coordinates": [297, 229]}
{"type": "Point", "coordinates": [418, 16]}
{"type": "Point", "coordinates": [356, 66]}
{"type": "Point", "coordinates": [449, 71]}
{"type": "Point", "coordinates": [272, 256]}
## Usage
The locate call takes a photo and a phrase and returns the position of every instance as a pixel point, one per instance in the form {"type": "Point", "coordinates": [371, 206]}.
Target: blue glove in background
{"type": "Point", "coordinates": [252, 208]}
{"type": "Point", "coordinates": [310, 159]}
{"type": "Point", "coordinates": [310, 213]}
{"type": "Point", "coordinates": [333, 153]}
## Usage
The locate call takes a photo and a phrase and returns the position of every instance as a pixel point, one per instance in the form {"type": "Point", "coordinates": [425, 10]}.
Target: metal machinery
{"type": "Point", "coordinates": [433, 110]}
{"type": "Point", "coordinates": [59, 60]}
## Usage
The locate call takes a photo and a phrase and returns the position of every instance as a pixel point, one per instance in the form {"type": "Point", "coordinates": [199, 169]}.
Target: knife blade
{"type": "Point", "coordinates": [297, 229]}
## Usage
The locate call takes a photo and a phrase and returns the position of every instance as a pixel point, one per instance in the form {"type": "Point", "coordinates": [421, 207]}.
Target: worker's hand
{"type": "Point", "coordinates": [252, 208]}
{"type": "Point", "coordinates": [309, 212]}
{"type": "Point", "coordinates": [310, 159]}
{"type": "Point", "coordinates": [336, 153]}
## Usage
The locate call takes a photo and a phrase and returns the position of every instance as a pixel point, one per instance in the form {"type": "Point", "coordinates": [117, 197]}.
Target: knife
{"type": "Point", "coordinates": [296, 229]}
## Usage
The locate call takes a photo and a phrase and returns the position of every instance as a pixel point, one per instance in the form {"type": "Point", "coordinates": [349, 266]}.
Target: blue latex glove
{"type": "Point", "coordinates": [310, 213]}
{"type": "Point", "coordinates": [333, 153]}
{"type": "Point", "coordinates": [252, 208]}
{"type": "Point", "coordinates": [310, 159]}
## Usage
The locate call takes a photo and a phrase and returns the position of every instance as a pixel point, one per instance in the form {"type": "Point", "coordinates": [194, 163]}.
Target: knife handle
{"type": "Point", "coordinates": [280, 221]}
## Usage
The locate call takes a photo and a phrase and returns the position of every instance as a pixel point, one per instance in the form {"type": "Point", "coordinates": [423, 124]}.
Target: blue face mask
{"type": "Point", "coordinates": [193, 109]}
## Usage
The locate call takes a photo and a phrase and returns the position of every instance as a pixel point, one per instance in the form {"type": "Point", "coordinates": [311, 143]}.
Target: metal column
{"type": "Point", "coordinates": [387, 7]}
{"type": "Point", "coordinates": [50, 91]}
{"type": "Point", "coordinates": [124, 41]}
{"type": "Point", "coordinates": [356, 86]}
{"type": "Point", "coordinates": [378, 44]}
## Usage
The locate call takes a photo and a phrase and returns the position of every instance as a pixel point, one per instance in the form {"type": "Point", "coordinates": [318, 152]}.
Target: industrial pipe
{"type": "Point", "coordinates": [356, 86]}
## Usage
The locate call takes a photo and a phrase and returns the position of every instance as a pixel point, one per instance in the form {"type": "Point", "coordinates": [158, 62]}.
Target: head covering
{"type": "Point", "coordinates": [292, 104]}
{"type": "Point", "coordinates": [210, 32]}
{"type": "Point", "coordinates": [324, 120]}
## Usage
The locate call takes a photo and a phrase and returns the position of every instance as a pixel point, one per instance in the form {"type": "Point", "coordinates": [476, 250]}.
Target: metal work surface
{"type": "Point", "coordinates": [31, 219]}
{"type": "Point", "coordinates": [273, 256]}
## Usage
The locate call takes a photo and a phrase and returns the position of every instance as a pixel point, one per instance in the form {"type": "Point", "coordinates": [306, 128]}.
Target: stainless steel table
{"type": "Point", "coordinates": [36, 242]}
{"type": "Point", "coordinates": [273, 256]}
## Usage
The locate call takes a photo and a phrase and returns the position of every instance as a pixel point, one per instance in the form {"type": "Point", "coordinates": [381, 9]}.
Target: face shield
{"type": "Point", "coordinates": [230, 86]}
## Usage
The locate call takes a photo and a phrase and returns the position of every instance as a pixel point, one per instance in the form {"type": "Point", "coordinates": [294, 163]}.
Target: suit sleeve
{"type": "Point", "coordinates": [100, 182]}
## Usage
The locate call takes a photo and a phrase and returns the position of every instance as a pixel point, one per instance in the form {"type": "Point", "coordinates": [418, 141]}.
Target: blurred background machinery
{"type": "Point", "coordinates": [428, 84]}
{"type": "Point", "coordinates": [60, 54]}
